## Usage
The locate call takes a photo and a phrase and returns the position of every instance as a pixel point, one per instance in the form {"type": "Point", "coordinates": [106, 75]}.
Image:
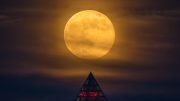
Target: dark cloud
{"type": "Point", "coordinates": [40, 87]}
{"type": "Point", "coordinates": [36, 88]}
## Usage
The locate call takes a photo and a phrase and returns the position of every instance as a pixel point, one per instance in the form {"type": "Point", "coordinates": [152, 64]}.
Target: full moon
{"type": "Point", "coordinates": [89, 34]}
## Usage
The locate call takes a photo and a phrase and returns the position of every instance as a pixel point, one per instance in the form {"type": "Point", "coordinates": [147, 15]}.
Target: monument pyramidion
{"type": "Point", "coordinates": [91, 91]}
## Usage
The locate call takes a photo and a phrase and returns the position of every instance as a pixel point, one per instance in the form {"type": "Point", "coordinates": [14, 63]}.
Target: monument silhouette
{"type": "Point", "coordinates": [91, 91]}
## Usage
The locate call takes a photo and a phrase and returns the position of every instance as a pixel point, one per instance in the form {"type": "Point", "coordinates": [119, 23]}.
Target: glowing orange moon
{"type": "Point", "coordinates": [89, 34]}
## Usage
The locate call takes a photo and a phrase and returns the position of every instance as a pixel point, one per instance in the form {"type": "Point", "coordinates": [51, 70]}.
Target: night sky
{"type": "Point", "coordinates": [143, 64]}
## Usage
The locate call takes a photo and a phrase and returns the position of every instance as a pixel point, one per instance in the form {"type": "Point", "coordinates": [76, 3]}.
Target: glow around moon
{"type": "Point", "coordinates": [89, 34]}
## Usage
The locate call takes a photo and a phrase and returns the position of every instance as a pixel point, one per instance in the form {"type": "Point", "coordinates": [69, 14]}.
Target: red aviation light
{"type": "Point", "coordinates": [83, 94]}
{"type": "Point", "coordinates": [93, 94]}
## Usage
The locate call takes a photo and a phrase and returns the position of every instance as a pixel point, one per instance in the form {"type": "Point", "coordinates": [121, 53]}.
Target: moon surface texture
{"type": "Point", "coordinates": [89, 34]}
